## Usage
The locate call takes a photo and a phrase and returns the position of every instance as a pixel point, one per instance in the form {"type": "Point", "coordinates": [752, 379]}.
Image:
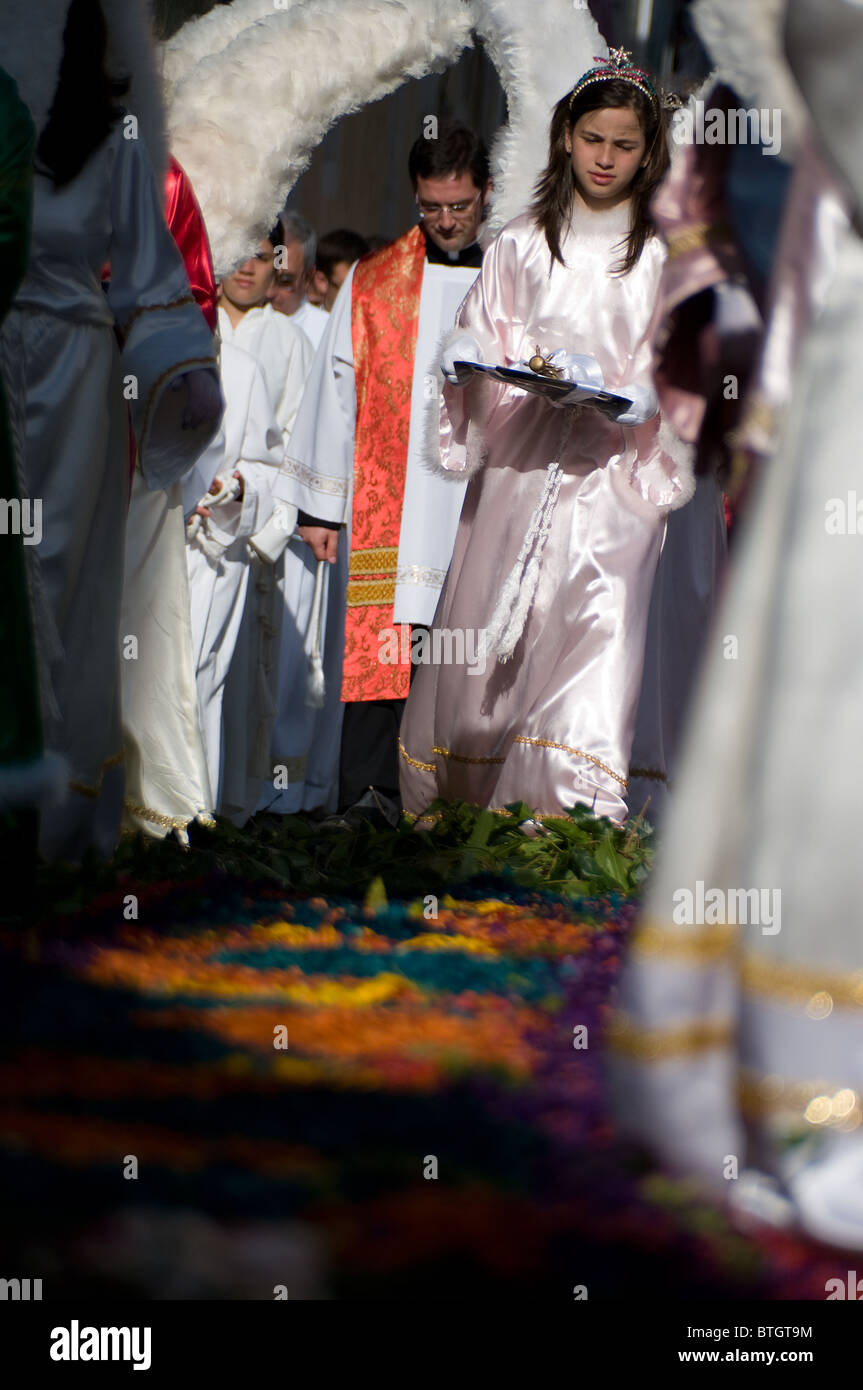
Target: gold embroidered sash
{"type": "Point", "coordinates": [384, 323]}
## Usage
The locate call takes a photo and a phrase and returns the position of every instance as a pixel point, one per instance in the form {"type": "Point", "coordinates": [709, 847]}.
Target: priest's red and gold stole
{"type": "Point", "coordinates": [384, 319]}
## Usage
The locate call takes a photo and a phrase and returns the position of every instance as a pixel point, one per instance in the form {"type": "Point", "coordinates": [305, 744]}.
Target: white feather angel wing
{"type": "Point", "coordinates": [209, 34]}
{"type": "Point", "coordinates": [540, 51]}
{"type": "Point", "coordinates": [253, 91]}
{"type": "Point", "coordinates": [245, 116]}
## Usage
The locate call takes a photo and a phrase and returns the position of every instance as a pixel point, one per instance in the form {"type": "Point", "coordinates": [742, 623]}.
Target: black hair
{"type": "Point", "coordinates": [340, 245]}
{"type": "Point", "coordinates": [456, 149]}
{"type": "Point", "coordinates": [86, 102]}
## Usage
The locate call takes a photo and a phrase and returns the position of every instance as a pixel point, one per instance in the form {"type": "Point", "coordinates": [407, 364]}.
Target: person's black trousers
{"type": "Point", "coordinates": [370, 747]}
{"type": "Point", "coordinates": [370, 751]}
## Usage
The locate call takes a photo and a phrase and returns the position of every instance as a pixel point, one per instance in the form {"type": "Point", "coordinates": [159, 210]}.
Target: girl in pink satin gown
{"type": "Point", "coordinates": [551, 576]}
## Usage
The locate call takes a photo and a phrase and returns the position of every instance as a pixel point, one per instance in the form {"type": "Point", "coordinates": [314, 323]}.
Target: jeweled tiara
{"type": "Point", "coordinates": [619, 67]}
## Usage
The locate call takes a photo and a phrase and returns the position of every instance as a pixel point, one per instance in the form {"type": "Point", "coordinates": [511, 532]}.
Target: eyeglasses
{"type": "Point", "coordinates": [429, 211]}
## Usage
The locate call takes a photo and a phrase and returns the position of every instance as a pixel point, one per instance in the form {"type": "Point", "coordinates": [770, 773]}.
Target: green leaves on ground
{"type": "Point", "coordinates": [575, 856]}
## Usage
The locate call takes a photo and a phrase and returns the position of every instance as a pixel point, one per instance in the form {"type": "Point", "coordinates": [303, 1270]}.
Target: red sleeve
{"type": "Point", "coordinates": [186, 222]}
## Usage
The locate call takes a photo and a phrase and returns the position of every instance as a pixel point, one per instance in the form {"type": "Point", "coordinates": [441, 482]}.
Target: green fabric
{"type": "Point", "coordinates": [20, 723]}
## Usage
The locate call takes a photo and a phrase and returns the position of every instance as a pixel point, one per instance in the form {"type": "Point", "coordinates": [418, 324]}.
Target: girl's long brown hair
{"type": "Point", "coordinates": [552, 203]}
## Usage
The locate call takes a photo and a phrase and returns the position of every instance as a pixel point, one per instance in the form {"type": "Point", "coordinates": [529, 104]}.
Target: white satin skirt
{"type": "Point", "coordinates": [553, 725]}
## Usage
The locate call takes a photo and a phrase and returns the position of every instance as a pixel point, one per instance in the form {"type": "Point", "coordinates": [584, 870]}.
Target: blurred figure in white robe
{"type": "Point", "coordinates": [738, 1039]}
{"type": "Point", "coordinates": [167, 786]}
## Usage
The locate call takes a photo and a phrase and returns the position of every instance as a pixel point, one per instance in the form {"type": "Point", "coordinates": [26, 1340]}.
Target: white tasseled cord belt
{"type": "Point", "coordinates": [517, 595]}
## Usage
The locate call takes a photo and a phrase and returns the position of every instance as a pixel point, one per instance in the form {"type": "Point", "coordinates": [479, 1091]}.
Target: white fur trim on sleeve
{"type": "Point", "coordinates": [648, 486]}
{"type": "Point", "coordinates": [475, 443]}
{"type": "Point", "coordinates": [683, 457]}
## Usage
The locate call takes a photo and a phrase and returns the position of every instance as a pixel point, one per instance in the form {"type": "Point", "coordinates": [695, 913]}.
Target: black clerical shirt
{"type": "Point", "coordinates": [470, 256]}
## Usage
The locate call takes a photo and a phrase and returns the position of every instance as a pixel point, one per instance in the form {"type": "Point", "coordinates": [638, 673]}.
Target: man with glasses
{"type": "Point", "coordinates": [368, 505]}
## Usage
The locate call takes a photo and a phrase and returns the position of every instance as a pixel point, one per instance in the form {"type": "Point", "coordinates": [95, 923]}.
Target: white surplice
{"type": "Point", "coordinates": [281, 350]}
{"type": "Point", "coordinates": [305, 740]}
{"type": "Point", "coordinates": [312, 320]}
{"type": "Point", "coordinates": [284, 354]}
{"type": "Point", "coordinates": [70, 384]}
{"type": "Point", "coordinates": [219, 559]}
{"type": "Point", "coordinates": [432, 505]}
{"type": "Point", "coordinates": [318, 478]}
